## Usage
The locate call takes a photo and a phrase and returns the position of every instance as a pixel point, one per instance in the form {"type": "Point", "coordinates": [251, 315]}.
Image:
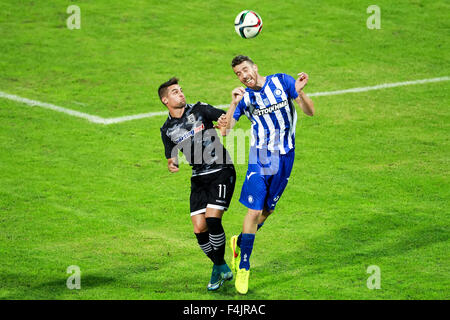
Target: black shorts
{"type": "Point", "coordinates": [212, 190]}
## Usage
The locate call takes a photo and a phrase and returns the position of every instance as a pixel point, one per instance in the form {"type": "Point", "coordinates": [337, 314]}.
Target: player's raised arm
{"type": "Point", "coordinates": [172, 165]}
{"type": "Point", "coordinates": [303, 100]}
{"type": "Point", "coordinates": [236, 97]}
{"type": "Point", "coordinates": [216, 115]}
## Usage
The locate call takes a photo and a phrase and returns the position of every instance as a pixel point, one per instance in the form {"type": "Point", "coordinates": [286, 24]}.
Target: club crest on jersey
{"type": "Point", "coordinates": [191, 119]}
{"type": "Point", "coordinates": [277, 92]}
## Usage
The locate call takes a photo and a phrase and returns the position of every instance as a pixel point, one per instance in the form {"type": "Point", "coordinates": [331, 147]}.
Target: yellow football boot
{"type": "Point", "coordinates": [241, 283]}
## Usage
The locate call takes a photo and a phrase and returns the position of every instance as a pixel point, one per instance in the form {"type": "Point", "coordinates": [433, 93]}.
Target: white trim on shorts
{"type": "Point", "coordinates": [215, 206]}
{"type": "Point", "coordinates": [207, 172]}
{"type": "Point", "coordinates": [198, 212]}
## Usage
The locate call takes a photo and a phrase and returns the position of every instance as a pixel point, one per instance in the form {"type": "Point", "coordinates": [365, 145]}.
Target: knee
{"type": "Point", "coordinates": [265, 214]}
{"type": "Point", "coordinates": [254, 214]}
{"type": "Point", "coordinates": [200, 227]}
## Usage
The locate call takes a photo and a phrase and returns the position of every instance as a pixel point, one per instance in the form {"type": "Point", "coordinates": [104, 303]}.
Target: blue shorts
{"type": "Point", "coordinates": [266, 179]}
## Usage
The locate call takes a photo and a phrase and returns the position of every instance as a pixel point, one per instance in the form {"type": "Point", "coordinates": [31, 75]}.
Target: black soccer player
{"type": "Point", "coordinates": [190, 128]}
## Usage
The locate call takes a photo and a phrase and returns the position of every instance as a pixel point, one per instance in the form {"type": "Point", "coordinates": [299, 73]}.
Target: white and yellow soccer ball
{"type": "Point", "coordinates": [248, 24]}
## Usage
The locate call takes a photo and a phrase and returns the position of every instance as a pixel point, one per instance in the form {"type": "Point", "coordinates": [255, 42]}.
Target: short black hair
{"type": "Point", "coordinates": [239, 59]}
{"type": "Point", "coordinates": [162, 90]}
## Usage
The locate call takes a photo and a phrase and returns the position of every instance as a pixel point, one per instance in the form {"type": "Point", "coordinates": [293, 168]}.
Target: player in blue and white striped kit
{"type": "Point", "coordinates": [267, 103]}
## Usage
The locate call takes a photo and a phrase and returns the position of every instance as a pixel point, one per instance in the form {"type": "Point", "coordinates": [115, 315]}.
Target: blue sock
{"type": "Point", "coordinates": [240, 235]}
{"type": "Point", "coordinates": [246, 250]}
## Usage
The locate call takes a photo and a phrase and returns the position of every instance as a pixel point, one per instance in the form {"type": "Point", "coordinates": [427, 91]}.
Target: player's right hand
{"type": "Point", "coordinates": [172, 165]}
{"type": "Point", "coordinates": [221, 122]}
{"type": "Point", "coordinates": [173, 168]}
{"type": "Point", "coordinates": [237, 94]}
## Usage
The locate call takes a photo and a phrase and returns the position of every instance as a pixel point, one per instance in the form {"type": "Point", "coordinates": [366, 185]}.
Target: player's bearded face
{"type": "Point", "coordinates": [175, 97]}
{"type": "Point", "coordinates": [247, 74]}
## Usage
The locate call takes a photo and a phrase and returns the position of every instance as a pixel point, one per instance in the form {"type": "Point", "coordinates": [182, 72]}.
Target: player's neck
{"type": "Point", "coordinates": [259, 83]}
{"type": "Point", "coordinates": [177, 112]}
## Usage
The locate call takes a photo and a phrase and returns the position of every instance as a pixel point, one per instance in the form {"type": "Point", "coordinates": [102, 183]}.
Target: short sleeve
{"type": "Point", "coordinates": [212, 113]}
{"type": "Point", "coordinates": [168, 144]}
{"type": "Point", "coordinates": [289, 86]}
{"type": "Point", "coordinates": [239, 110]}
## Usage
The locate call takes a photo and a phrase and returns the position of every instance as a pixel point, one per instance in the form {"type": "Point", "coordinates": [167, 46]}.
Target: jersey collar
{"type": "Point", "coordinates": [186, 107]}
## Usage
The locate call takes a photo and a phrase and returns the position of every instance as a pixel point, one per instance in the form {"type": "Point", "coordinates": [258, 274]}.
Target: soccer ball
{"type": "Point", "coordinates": [248, 24]}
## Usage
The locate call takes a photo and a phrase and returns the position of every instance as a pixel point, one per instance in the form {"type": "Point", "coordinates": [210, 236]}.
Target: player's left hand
{"type": "Point", "coordinates": [301, 81]}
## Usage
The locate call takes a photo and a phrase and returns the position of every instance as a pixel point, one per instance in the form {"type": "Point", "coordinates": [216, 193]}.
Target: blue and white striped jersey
{"type": "Point", "coordinates": [272, 113]}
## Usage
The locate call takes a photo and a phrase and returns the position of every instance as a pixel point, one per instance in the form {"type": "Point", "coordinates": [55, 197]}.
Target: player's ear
{"type": "Point", "coordinates": [165, 100]}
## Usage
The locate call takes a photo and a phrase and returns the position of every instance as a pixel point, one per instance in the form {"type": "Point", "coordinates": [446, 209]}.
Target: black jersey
{"type": "Point", "coordinates": [195, 136]}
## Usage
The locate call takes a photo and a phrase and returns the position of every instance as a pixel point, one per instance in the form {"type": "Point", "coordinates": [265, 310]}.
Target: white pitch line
{"type": "Point", "coordinates": [53, 107]}
{"type": "Point", "coordinates": [134, 117]}
{"type": "Point", "coordinates": [378, 87]}
{"type": "Point", "coordinates": [106, 121]}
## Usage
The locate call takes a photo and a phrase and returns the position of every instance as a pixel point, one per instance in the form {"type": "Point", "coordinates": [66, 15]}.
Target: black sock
{"type": "Point", "coordinates": [203, 242]}
{"type": "Point", "coordinates": [217, 239]}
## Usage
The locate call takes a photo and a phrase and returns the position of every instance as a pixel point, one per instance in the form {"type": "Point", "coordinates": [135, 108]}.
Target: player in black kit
{"type": "Point", "coordinates": [190, 128]}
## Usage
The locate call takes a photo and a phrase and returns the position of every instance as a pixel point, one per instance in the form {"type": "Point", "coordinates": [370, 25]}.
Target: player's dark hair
{"type": "Point", "coordinates": [239, 59]}
{"type": "Point", "coordinates": [162, 90]}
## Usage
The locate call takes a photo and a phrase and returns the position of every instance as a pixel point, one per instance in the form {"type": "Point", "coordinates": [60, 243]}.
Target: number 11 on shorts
{"type": "Point", "coordinates": [224, 190]}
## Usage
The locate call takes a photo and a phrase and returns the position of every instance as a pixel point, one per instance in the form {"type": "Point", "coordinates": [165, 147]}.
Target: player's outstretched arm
{"type": "Point", "coordinates": [303, 100]}
{"type": "Point", "coordinates": [236, 96]}
{"type": "Point", "coordinates": [172, 165]}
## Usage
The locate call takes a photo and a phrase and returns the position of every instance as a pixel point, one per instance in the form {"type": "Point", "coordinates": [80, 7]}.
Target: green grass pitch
{"type": "Point", "coordinates": [370, 184]}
